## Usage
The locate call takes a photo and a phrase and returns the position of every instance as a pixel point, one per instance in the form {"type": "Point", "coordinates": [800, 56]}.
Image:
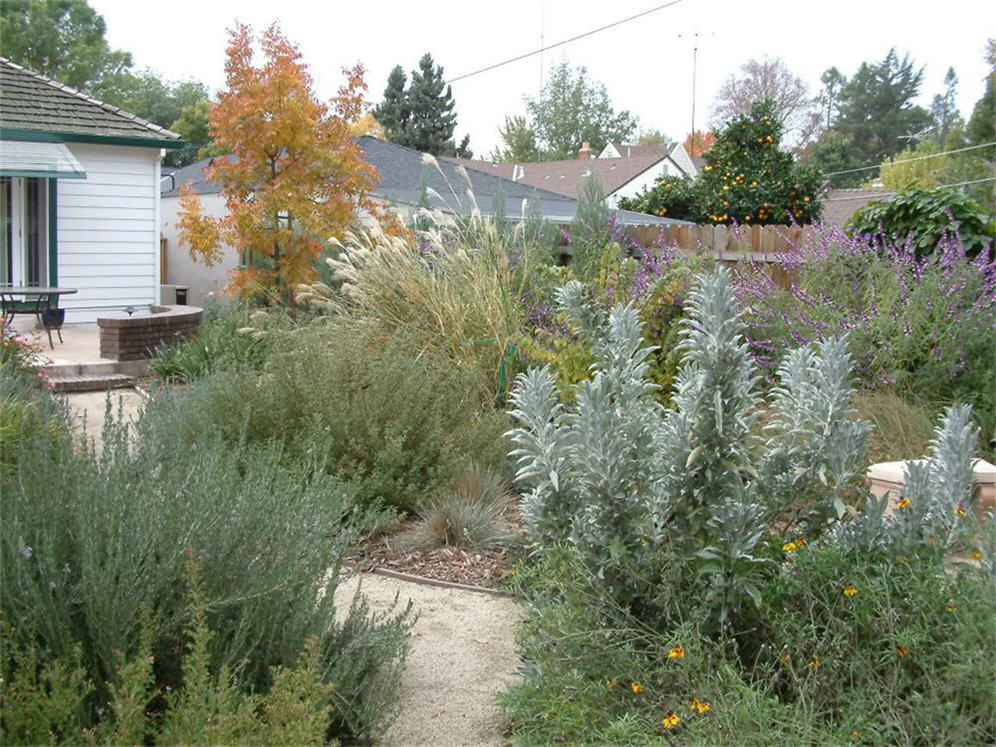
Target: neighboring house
{"type": "Point", "coordinates": [841, 204]}
{"type": "Point", "coordinates": [79, 195]}
{"type": "Point", "coordinates": [622, 170]}
{"type": "Point", "coordinates": [407, 181]}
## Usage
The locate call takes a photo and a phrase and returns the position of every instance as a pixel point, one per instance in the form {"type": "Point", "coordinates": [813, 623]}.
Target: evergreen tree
{"type": "Point", "coordinates": [835, 152]}
{"type": "Point", "coordinates": [392, 112]}
{"type": "Point", "coordinates": [829, 99]}
{"type": "Point", "coordinates": [877, 109]}
{"type": "Point", "coordinates": [422, 115]}
{"type": "Point", "coordinates": [982, 126]}
{"type": "Point", "coordinates": [944, 110]}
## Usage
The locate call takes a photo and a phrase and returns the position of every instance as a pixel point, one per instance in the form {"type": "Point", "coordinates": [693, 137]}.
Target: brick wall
{"type": "Point", "coordinates": [124, 338]}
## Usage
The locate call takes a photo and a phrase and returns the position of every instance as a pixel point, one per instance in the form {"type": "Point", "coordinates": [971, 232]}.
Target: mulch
{"type": "Point", "coordinates": [395, 551]}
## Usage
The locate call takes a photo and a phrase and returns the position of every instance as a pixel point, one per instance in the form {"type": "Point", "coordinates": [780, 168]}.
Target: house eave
{"type": "Point", "coordinates": [48, 136]}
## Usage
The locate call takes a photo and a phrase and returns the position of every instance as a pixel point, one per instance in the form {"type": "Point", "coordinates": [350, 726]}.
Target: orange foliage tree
{"type": "Point", "coordinates": [698, 142]}
{"type": "Point", "coordinates": [294, 180]}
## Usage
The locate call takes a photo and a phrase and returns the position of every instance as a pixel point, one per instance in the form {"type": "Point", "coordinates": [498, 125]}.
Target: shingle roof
{"type": "Point", "coordinates": [403, 171]}
{"type": "Point", "coordinates": [564, 177]}
{"type": "Point", "coordinates": [30, 101]}
{"type": "Point", "coordinates": [841, 204]}
{"type": "Point", "coordinates": [642, 151]}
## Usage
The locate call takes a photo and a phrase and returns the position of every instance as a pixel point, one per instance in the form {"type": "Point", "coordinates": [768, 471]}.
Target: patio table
{"type": "Point", "coordinates": [37, 300]}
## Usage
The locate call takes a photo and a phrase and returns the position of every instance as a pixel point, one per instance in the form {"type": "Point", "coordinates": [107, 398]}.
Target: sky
{"type": "Point", "coordinates": [645, 64]}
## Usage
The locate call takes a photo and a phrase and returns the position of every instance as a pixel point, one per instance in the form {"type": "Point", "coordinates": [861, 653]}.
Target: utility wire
{"type": "Point", "coordinates": [908, 160]}
{"type": "Point", "coordinates": [562, 43]}
{"type": "Point", "coordinates": [894, 191]}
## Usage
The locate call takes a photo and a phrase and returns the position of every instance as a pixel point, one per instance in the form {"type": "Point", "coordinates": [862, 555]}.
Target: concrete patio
{"type": "Point", "coordinates": [79, 353]}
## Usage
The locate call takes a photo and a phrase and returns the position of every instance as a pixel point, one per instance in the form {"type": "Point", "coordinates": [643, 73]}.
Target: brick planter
{"type": "Point", "coordinates": [130, 338]}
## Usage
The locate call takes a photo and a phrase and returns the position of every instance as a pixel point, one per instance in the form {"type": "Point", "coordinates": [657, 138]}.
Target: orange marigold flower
{"type": "Point", "coordinates": [902, 650]}
{"type": "Point", "coordinates": [976, 555]}
{"type": "Point", "coordinates": [850, 590]}
{"type": "Point", "coordinates": [902, 503]}
{"type": "Point", "coordinates": [960, 511]}
{"type": "Point", "coordinates": [952, 607]}
{"type": "Point", "coordinates": [637, 687]}
{"type": "Point", "coordinates": [671, 720]}
{"type": "Point", "coordinates": [676, 653]}
{"type": "Point", "coordinates": [702, 706]}
{"type": "Point", "coordinates": [814, 662]}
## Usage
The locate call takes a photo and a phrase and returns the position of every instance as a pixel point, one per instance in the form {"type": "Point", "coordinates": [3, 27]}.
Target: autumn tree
{"type": "Point", "coordinates": [295, 179]}
{"type": "Point", "coordinates": [761, 80]}
{"type": "Point", "coordinates": [698, 142]}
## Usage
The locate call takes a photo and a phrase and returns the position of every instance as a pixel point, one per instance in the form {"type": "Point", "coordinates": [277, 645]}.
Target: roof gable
{"type": "Point", "coordinates": [31, 103]}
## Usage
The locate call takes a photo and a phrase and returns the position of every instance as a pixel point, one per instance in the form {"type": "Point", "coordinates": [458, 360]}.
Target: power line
{"type": "Point", "coordinates": [562, 43]}
{"type": "Point", "coordinates": [894, 191]}
{"type": "Point", "coordinates": [908, 160]}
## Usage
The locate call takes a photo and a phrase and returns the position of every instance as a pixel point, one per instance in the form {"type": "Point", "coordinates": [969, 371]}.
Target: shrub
{"type": "Point", "coordinates": [925, 217]}
{"type": "Point", "coordinates": [235, 338]}
{"type": "Point", "coordinates": [923, 327]}
{"type": "Point", "coordinates": [89, 545]}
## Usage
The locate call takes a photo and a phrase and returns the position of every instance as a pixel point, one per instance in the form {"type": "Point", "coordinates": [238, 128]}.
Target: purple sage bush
{"type": "Point", "coordinates": [922, 326]}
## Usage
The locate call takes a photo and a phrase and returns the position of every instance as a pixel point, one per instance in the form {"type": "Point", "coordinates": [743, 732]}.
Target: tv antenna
{"type": "Point", "coordinates": [694, 36]}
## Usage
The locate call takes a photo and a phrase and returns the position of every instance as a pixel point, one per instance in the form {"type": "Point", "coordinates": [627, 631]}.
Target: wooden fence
{"type": "Point", "coordinates": [728, 243]}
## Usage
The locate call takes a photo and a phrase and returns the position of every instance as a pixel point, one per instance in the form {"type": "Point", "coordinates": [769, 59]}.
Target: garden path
{"type": "Point", "coordinates": [462, 654]}
{"type": "Point", "coordinates": [89, 409]}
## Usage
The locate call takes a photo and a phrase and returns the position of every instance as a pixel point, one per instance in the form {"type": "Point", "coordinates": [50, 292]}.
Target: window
{"type": "Point", "coordinates": [23, 231]}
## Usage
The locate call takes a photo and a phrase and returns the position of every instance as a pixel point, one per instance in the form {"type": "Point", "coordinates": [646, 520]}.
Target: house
{"type": "Point", "coordinates": [79, 195]}
{"type": "Point", "coordinates": [841, 204]}
{"type": "Point", "coordinates": [407, 180]}
{"type": "Point", "coordinates": [622, 170]}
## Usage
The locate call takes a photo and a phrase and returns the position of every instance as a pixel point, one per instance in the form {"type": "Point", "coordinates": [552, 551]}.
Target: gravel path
{"type": "Point", "coordinates": [89, 408]}
{"type": "Point", "coordinates": [462, 654]}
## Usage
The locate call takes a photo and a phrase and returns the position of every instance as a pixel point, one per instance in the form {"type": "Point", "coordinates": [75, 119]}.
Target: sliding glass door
{"type": "Point", "coordinates": [24, 229]}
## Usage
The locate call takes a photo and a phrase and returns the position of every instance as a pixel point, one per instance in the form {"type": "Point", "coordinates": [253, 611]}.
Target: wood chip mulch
{"type": "Point", "coordinates": [484, 567]}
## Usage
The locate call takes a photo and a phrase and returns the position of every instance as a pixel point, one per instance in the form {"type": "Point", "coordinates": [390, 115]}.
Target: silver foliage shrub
{"type": "Point", "coordinates": [620, 480]}
{"type": "Point", "coordinates": [934, 506]}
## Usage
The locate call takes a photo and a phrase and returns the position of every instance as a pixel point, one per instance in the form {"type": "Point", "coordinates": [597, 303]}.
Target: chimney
{"type": "Point", "coordinates": [585, 152]}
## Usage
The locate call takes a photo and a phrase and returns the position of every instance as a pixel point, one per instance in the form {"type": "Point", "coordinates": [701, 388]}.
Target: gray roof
{"type": "Point", "coordinates": [403, 171]}
{"type": "Point", "coordinates": [30, 101]}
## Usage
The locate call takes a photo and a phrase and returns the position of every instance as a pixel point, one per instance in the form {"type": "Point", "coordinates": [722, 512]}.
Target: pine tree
{"type": "Point", "coordinates": [392, 112]}
{"type": "Point", "coordinates": [422, 115]}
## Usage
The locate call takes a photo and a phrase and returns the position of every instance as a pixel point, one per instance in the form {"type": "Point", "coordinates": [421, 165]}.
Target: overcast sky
{"type": "Point", "coordinates": [645, 64]}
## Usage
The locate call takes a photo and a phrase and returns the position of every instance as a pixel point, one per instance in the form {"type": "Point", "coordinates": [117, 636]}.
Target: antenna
{"type": "Point", "coordinates": [542, 40]}
{"type": "Point", "coordinates": [694, 36]}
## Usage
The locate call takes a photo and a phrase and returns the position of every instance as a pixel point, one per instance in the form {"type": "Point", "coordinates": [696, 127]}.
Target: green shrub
{"type": "Point", "coordinates": [927, 215]}
{"type": "Point", "coordinates": [394, 421]}
{"type": "Point", "coordinates": [231, 338]}
{"type": "Point", "coordinates": [89, 545]}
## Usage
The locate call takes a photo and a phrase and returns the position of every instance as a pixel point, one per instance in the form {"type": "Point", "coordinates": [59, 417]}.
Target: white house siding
{"type": "Point", "coordinates": [108, 243]}
{"type": "Point", "coordinates": [200, 280]}
{"type": "Point", "coordinates": [644, 180]}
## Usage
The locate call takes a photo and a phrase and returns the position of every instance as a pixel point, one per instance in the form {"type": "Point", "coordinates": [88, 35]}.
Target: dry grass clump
{"type": "Point", "coordinates": [903, 427]}
{"type": "Point", "coordinates": [470, 514]}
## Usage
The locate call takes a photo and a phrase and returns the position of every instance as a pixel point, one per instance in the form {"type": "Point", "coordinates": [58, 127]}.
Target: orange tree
{"type": "Point", "coordinates": [295, 178]}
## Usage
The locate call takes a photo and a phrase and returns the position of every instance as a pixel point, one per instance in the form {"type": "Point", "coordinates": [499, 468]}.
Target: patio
{"type": "Point", "coordinates": [79, 352]}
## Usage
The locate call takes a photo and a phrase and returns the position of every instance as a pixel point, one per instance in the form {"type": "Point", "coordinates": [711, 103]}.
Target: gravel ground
{"type": "Point", "coordinates": [462, 654]}
{"type": "Point", "coordinates": [89, 408]}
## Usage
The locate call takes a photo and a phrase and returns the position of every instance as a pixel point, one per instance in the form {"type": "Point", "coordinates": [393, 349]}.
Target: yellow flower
{"type": "Point", "coordinates": [855, 734]}
{"type": "Point", "coordinates": [814, 662]}
{"type": "Point", "coordinates": [902, 503]}
{"type": "Point", "coordinates": [637, 687]}
{"type": "Point", "coordinates": [676, 653]}
{"type": "Point", "coordinates": [960, 511]}
{"type": "Point", "coordinates": [702, 706]}
{"type": "Point", "coordinates": [789, 547]}
{"type": "Point", "coordinates": [850, 590]}
{"type": "Point", "coordinates": [952, 607]}
{"type": "Point", "coordinates": [610, 683]}
{"type": "Point", "coordinates": [904, 559]}
{"type": "Point", "coordinates": [976, 555]}
{"type": "Point", "coordinates": [671, 720]}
